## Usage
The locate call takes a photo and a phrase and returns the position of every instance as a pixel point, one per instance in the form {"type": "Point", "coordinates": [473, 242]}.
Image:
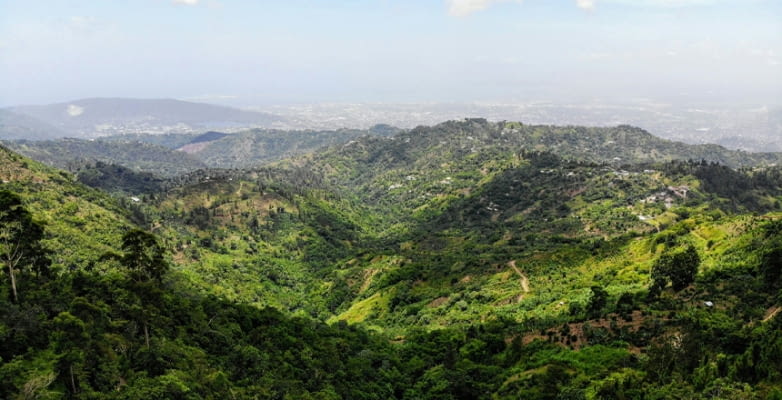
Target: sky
{"type": "Point", "coordinates": [263, 52]}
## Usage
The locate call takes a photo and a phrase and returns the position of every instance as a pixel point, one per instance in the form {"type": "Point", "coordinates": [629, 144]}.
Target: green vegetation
{"type": "Point", "coordinates": [114, 178]}
{"type": "Point", "coordinates": [170, 155]}
{"type": "Point", "coordinates": [257, 146]}
{"type": "Point", "coordinates": [470, 260]}
{"type": "Point", "coordinates": [678, 267]}
{"type": "Point", "coordinates": [72, 154]}
{"type": "Point", "coordinates": [20, 239]}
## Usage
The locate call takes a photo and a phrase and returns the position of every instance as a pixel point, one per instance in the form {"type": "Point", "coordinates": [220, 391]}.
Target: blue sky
{"type": "Point", "coordinates": [301, 51]}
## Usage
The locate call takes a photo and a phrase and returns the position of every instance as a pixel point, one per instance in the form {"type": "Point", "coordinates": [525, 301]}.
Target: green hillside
{"type": "Point", "coordinates": [100, 311]}
{"type": "Point", "coordinates": [80, 221]}
{"type": "Point", "coordinates": [168, 155]}
{"type": "Point", "coordinates": [255, 147]}
{"type": "Point", "coordinates": [70, 154]}
{"type": "Point", "coordinates": [115, 178]}
{"type": "Point", "coordinates": [379, 147]}
{"type": "Point", "coordinates": [470, 260]}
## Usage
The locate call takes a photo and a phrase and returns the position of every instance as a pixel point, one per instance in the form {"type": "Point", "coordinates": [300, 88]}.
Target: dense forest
{"type": "Point", "coordinates": [470, 260]}
{"type": "Point", "coordinates": [169, 155]}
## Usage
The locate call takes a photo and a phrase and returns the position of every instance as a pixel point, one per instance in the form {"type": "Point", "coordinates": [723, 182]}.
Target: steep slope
{"type": "Point", "coordinates": [91, 325]}
{"type": "Point", "coordinates": [71, 153]}
{"type": "Point", "coordinates": [82, 223]}
{"type": "Point", "coordinates": [262, 236]}
{"type": "Point", "coordinates": [561, 220]}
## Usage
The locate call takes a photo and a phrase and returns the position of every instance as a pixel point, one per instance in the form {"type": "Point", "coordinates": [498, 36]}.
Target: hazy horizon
{"type": "Point", "coordinates": [262, 53]}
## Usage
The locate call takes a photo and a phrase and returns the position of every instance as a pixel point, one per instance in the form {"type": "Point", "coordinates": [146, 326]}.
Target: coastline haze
{"type": "Point", "coordinates": [461, 51]}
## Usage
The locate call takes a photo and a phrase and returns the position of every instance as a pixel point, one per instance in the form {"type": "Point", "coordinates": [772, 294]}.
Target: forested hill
{"type": "Point", "coordinates": [379, 147]}
{"type": "Point", "coordinates": [617, 145]}
{"type": "Point", "coordinates": [259, 146]}
{"type": "Point", "coordinates": [80, 221]}
{"type": "Point", "coordinates": [91, 307]}
{"type": "Point", "coordinates": [173, 154]}
{"type": "Point", "coordinates": [69, 154]}
{"type": "Point", "coordinates": [470, 260]}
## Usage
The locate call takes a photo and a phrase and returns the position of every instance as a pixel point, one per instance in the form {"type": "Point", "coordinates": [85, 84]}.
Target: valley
{"type": "Point", "coordinates": [391, 200]}
{"type": "Point", "coordinates": [465, 260]}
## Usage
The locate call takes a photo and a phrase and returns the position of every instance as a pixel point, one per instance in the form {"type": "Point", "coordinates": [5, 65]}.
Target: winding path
{"type": "Point", "coordinates": [522, 277]}
{"type": "Point", "coordinates": [773, 311]}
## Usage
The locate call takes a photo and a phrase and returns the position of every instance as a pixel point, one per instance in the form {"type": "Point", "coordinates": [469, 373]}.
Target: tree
{"type": "Point", "coordinates": [144, 257]}
{"type": "Point", "coordinates": [679, 267]}
{"type": "Point", "coordinates": [771, 268]}
{"type": "Point", "coordinates": [20, 239]}
{"type": "Point", "coordinates": [597, 301]}
{"type": "Point", "coordinates": [70, 336]}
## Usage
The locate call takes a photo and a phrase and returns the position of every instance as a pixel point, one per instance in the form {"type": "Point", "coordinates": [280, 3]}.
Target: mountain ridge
{"type": "Point", "coordinates": [250, 148]}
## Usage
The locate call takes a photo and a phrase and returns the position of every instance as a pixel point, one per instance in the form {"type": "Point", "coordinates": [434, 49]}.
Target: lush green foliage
{"type": "Point", "coordinates": [115, 178]}
{"type": "Point", "coordinates": [20, 240]}
{"type": "Point", "coordinates": [252, 148]}
{"type": "Point", "coordinates": [679, 267]}
{"type": "Point", "coordinates": [72, 154]}
{"type": "Point", "coordinates": [456, 262]}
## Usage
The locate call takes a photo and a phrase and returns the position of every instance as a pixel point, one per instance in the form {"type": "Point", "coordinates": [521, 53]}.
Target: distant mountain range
{"type": "Point", "coordinates": [16, 126]}
{"type": "Point", "coordinates": [167, 155]}
{"type": "Point", "coordinates": [89, 118]}
{"type": "Point", "coordinates": [756, 129]}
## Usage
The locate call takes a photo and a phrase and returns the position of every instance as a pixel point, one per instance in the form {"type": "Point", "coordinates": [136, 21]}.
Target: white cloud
{"type": "Point", "coordinates": [665, 3]}
{"type": "Point", "coordinates": [74, 111]}
{"type": "Point", "coordinates": [463, 8]}
{"type": "Point", "coordinates": [186, 2]}
{"type": "Point", "coordinates": [585, 4]}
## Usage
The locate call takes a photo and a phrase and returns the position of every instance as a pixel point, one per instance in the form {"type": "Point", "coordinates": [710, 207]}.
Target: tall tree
{"type": "Point", "coordinates": [597, 301]}
{"type": "Point", "coordinates": [20, 238]}
{"type": "Point", "coordinates": [144, 256]}
{"type": "Point", "coordinates": [145, 259]}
